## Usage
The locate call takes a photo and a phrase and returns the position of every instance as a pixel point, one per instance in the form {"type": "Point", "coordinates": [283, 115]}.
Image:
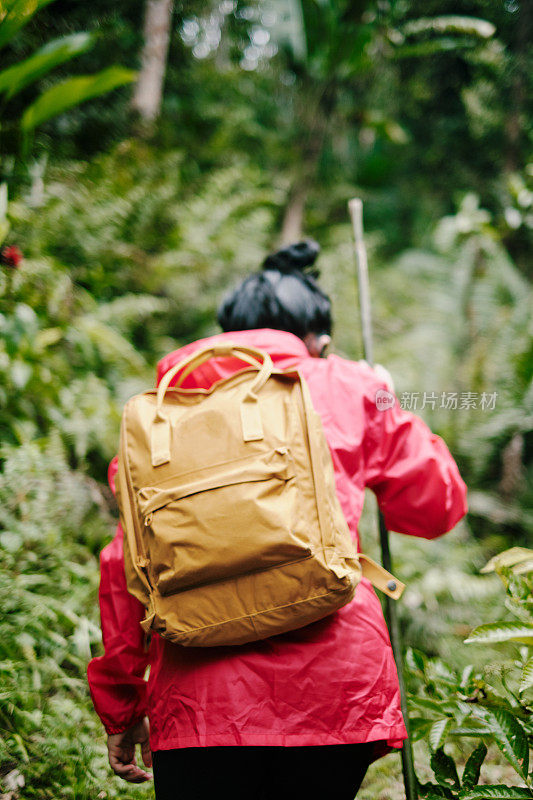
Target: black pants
{"type": "Point", "coordinates": [261, 773]}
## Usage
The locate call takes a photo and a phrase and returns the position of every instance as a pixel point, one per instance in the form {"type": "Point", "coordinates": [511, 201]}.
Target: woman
{"type": "Point", "coordinates": [306, 712]}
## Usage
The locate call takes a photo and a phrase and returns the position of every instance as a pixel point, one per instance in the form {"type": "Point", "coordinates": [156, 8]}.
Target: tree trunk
{"type": "Point", "coordinates": [148, 93]}
{"type": "Point", "coordinates": [516, 123]}
{"type": "Point", "coordinates": [316, 113]}
{"type": "Point", "coordinates": [292, 228]}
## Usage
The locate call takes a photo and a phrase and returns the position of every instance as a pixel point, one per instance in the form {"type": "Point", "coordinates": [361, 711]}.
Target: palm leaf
{"type": "Point", "coordinates": [17, 77]}
{"type": "Point", "coordinates": [72, 92]}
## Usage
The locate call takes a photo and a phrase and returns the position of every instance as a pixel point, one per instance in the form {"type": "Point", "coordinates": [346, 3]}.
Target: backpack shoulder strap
{"type": "Point", "coordinates": [132, 534]}
{"type": "Point", "coordinates": [374, 572]}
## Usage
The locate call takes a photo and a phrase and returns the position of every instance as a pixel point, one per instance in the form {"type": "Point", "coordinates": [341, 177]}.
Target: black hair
{"type": "Point", "coordinates": [284, 295]}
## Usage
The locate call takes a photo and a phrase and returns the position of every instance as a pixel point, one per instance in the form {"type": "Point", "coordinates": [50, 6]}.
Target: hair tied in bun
{"type": "Point", "coordinates": [283, 295]}
{"type": "Point", "coordinates": [295, 257]}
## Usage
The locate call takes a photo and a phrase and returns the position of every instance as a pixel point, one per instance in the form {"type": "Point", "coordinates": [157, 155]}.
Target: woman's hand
{"type": "Point", "coordinates": [121, 752]}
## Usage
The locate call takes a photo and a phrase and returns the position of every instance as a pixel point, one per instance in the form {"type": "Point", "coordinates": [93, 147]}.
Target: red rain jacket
{"type": "Point", "coordinates": [332, 682]}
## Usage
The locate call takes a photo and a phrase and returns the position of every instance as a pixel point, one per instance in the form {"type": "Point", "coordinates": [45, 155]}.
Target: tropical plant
{"type": "Point", "coordinates": [269, 108]}
{"type": "Point", "coordinates": [121, 265]}
{"type": "Point", "coordinates": [492, 705]}
{"type": "Point", "coordinates": [330, 48]}
{"type": "Point", "coordinates": [64, 359]}
{"type": "Point", "coordinates": [66, 94]}
{"type": "Point", "coordinates": [465, 363]}
{"type": "Point", "coordinates": [54, 522]}
{"type": "Point", "coordinates": [133, 223]}
{"type": "Point", "coordinates": [515, 568]}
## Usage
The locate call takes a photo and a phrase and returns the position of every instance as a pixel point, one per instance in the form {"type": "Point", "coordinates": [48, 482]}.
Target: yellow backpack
{"type": "Point", "coordinates": [233, 529]}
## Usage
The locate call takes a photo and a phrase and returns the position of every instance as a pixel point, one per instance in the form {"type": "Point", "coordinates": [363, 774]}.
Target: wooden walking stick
{"type": "Point", "coordinates": [355, 207]}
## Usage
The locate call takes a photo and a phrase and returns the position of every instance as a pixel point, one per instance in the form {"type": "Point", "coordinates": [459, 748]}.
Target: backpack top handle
{"type": "Point", "coordinates": [189, 364]}
{"type": "Point", "coordinates": [252, 429]}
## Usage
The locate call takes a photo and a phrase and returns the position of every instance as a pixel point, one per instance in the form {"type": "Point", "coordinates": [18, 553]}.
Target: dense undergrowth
{"type": "Point", "coordinates": [97, 300]}
{"type": "Point", "coordinates": [53, 524]}
{"type": "Point", "coordinates": [126, 255]}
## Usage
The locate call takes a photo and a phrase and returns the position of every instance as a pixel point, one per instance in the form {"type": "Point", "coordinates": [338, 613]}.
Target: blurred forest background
{"type": "Point", "coordinates": [151, 154]}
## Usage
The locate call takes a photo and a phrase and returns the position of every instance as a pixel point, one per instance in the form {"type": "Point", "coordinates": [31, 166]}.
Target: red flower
{"type": "Point", "coordinates": [10, 256]}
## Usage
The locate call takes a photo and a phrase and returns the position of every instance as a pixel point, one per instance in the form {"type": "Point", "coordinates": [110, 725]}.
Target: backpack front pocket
{"type": "Point", "coordinates": [227, 520]}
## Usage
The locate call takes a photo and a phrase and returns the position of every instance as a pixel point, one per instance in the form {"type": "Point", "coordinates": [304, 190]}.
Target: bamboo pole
{"type": "Point", "coordinates": [355, 207]}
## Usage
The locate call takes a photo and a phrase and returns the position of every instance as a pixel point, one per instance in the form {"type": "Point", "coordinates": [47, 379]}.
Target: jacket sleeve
{"type": "Point", "coordinates": [411, 471]}
{"type": "Point", "coordinates": [116, 679]}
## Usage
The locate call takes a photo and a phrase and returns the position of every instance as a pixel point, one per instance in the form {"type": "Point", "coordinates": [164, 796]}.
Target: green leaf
{"type": "Point", "coordinates": [73, 92]}
{"type": "Point", "coordinates": [424, 702]}
{"type": "Point", "coordinates": [510, 738]}
{"type": "Point", "coordinates": [419, 727]}
{"type": "Point", "coordinates": [18, 14]}
{"type": "Point", "coordinates": [502, 632]}
{"type": "Point", "coordinates": [437, 733]}
{"type": "Point", "coordinates": [473, 766]}
{"type": "Point", "coordinates": [450, 23]}
{"type": "Point", "coordinates": [46, 338]}
{"type": "Point", "coordinates": [464, 731]}
{"type": "Point", "coordinates": [526, 681]}
{"type": "Point", "coordinates": [429, 48]}
{"type": "Point", "coordinates": [416, 660]}
{"type": "Point", "coordinates": [509, 558]}
{"type": "Point", "coordinates": [432, 791]}
{"type": "Point", "coordinates": [496, 793]}
{"type": "Point", "coordinates": [466, 675]}
{"type": "Point", "coordinates": [445, 770]}
{"type": "Point", "coordinates": [17, 77]}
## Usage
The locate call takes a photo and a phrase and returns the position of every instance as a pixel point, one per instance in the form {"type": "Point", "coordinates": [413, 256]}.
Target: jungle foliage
{"type": "Point", "coordinates": [272, 117]}
{"type": "Point", "coordinates": [492, 705]}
